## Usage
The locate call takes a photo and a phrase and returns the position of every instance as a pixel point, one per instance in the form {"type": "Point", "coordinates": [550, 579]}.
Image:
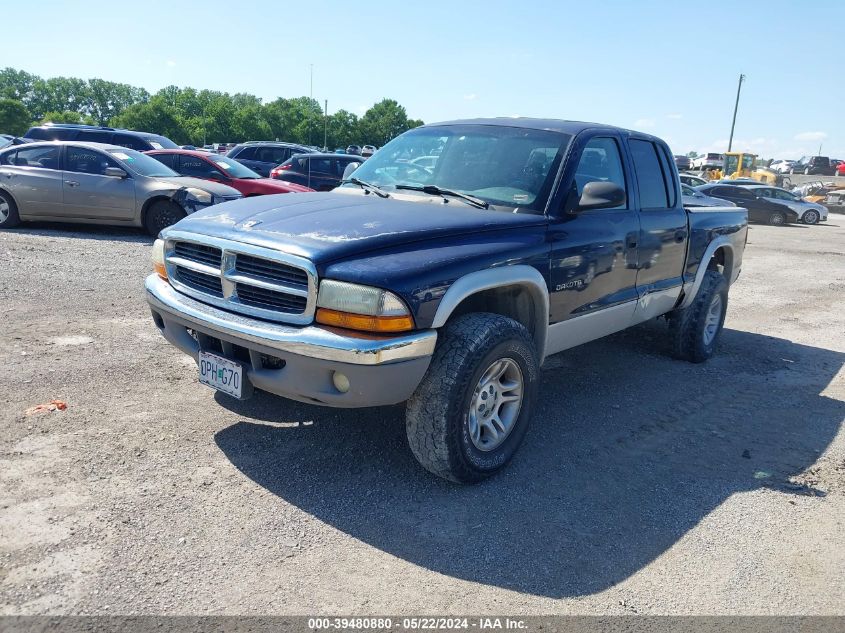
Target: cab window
{"type": "Point", "coordinates": [653, 192]}
{"type": "Point", "coordinates": [600, 162]}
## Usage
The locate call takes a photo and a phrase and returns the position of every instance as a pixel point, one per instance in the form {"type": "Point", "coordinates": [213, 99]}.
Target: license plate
{"type": "Point", "coordinates": [221, 373]}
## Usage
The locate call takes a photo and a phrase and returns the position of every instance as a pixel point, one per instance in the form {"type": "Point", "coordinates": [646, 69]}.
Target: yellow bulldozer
{"type": "Point", "coordinates": [737, 165]}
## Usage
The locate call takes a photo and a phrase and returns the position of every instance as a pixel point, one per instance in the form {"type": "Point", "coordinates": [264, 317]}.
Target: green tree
{"type": "Point", "coordinates": [343, 129]}
{"type": "Point", "coordinates": [66, 117]}
{"type": "Point", "coordinates": [157, 116]}
{"type": "Point", "coordinates": [58, 94]}
{"type": "Point", "coordinates": [107, 99]}
{"type": "Point", "coordinates": [384, 121]}
{"type": "Point", "coordinates": [14, 117]}
{"type": "Point", "coordinates": [693, 155]}
{"type": "Point", "coordinates": [16, 84]}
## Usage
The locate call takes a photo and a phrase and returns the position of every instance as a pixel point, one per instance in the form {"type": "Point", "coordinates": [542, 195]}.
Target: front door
{"type": "Point", "coordinates": [594, 252]}
{"type": "Point", "coordinates": [88, 193]}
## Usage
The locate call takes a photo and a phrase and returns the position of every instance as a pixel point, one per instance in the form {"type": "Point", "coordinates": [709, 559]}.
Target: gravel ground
{"type": "Point", "coordinates": [645, 485]}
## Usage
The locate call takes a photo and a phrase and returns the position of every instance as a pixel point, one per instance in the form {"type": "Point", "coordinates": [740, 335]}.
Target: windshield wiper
{"type": "Point", "coordinates": [434, 190]}
{"type": "Point", "coordinates": [366, 186]}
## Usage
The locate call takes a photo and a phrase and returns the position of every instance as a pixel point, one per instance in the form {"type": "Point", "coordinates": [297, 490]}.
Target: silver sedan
{"type": "Point", "coordinates": [100, 184]}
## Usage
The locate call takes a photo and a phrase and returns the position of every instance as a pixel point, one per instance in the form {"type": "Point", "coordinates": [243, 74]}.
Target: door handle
{"type": "Point", "coordinates": [680, 235]}
{"type": "Point", "coordinates": [71, 183]}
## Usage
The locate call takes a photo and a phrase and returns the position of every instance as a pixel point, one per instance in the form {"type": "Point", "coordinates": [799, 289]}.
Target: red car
{"type": "Point", "coordinates": [840, 168]}
{"type": "Point", "coordinates": [218, 168]}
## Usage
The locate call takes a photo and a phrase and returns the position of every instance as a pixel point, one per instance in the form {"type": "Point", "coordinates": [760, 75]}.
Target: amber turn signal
{"type": "Point", "coordinates": [363, 322]}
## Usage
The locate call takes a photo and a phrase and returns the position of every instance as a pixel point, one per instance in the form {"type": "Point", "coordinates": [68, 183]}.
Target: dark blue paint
{"type": "Point", "coordinates": [590, 260]}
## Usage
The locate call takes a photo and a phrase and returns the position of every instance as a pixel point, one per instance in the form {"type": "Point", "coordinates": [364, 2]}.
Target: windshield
{"type": "Point", "coordinates": [505, 166]}
{"type": "Point", "coordinates": [233, 168]}
{"type": "Point", "coordinates": [142, 164]}
{"type": "Point", "coordinates": [731, 164]}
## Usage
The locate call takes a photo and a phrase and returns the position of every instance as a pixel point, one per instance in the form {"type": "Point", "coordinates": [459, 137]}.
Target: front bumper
{"type": "Point", "coordinates": [296, 362]}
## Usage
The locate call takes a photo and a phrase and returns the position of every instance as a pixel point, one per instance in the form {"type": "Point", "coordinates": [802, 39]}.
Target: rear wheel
{"type": "Point", "coordinates": [695, 329]}
{"type": "Point", "coordinates": [472, 409]}
{"type": "Point", "coordinates": [8, 211]}
{"type": "Point", "coordinates": [161, 214]}
{"type": "Point", "coordinates": [777, 219]}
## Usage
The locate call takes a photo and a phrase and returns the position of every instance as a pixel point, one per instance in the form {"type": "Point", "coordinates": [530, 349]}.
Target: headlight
{"type": "Point", "coordinates": [200, 195]}
{"type": "Point", "coordinates": [357, 307]}
{"type": "Point", "coordinates": [158, 259]}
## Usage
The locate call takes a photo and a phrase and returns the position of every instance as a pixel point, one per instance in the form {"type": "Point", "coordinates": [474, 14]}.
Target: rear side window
{"type": "Point", "coordinates": [132, 142]}
{"type": "Point", "coordinates": [275, 155]}
{"type": "Point", "coordinates": [44, 157]}
{"type": "Point", "coordinates": [93, 136]}
{"type": "Point", "coordinates": [653, 193]}
{"type": "Point", "coordinates": [166, 159]}
{"type": "Point", "coordinates": [244, 153]}
{"type": "Point", "coordinates": [8, 158]}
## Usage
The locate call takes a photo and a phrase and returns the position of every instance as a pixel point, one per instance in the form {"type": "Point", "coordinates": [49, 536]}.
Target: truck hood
{"type": "Point", "coordinates": [325, 227]}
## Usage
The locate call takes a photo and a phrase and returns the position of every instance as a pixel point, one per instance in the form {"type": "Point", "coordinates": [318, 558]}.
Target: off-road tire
{"type": "Point", "coordinates": [686, 325]}
{"type": "Point", "coordinates": [161, 214]}
{"type": "Point", "coordinates": [10, 218]}
{"type": "Point", "coordinates": [436, 420]}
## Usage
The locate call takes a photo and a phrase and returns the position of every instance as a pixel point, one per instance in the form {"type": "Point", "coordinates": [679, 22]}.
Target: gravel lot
{"type": "Point", "coordinates": [645, 485]}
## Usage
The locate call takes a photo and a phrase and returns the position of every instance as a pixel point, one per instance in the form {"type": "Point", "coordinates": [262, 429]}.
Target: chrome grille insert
{"type": "Point", "coordinates": [251, 280]}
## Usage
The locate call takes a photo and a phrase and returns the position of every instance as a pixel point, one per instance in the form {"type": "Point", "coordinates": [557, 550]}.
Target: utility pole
{"type": "Point", "coordinates": [736, 107]}
{"type": "Point", "coordinates": [311, 99]}
{"type": "Point", "coordinates": [326, 126]}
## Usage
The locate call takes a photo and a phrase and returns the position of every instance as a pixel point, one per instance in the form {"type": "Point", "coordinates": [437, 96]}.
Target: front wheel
{"type": "Point", "coordinates": [810, 217]}
{"type": "Point", "coordinates": [695, 329]}
{"type": "Point", "coordinates": [472, 409]}
{"type": "Point", "coordinates": [161, 214]}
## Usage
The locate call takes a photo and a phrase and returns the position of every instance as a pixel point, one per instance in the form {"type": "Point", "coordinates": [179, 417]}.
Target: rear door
{"type": "Point", "coordinates": [663, 226]}
{"type": "Point", "coordinates": [88, 193]}
{"type": "Point", "coordinates": [248, 156]}
{"type": "Point", "coordinates": [759, 210]}
{"type": "Point", "coordinates": [33, 177]}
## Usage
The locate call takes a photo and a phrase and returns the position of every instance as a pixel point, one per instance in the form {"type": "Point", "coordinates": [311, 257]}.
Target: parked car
{"type": "Point", "coordinates": [262, 156]}
{"type": "Point", "coordinates": [448, 289]}
{"type": "Point", "coordinates": [782, 166]}
{"type": "Point", "coordinates": [693, 181]}
{"type": "Point", "coordinates": [759, 208]}
{"type": "Point", "coordinates": [140, 141]}
{"type": "Point", "coordinates": [353, 149]}
{"type": "Point", "coordinates": [322, 172]}
{"type": "Point", "coordinates": [840, 169]}
{"type": "Point", "coordinates": [199, 164]}
{"type": "Point", "coordinates": [683, 163]}
{"type": "Point", "coordinates": [368, 150]}
{"type": "Point", "coordinates": [98, 183]}
{"type": "Point", "coordinates": [710, 160]}
{"type": "Point", "coordinates": [836, 164]}
{"type": "Point", "coordinates": [808, 212]}
{"type": "Point", "coordinates": [695, 198]}
{"type": "Point", "coordinates": [813, 165]}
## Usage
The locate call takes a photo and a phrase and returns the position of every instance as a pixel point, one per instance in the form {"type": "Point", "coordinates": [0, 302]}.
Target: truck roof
{"type": "Point", "coordinates": [552, 125]}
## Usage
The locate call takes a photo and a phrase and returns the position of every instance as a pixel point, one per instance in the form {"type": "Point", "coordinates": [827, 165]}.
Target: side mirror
{"type": "Point", "coordinates": [347, 172]}
{"type": "Point", "coordinates": [601, 195]}
{"type": "Point", "coordinates": [115, 172]}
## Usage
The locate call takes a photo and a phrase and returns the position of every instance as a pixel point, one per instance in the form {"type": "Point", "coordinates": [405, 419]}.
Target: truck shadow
{"type": "Point", "coordinates": [628, 451]}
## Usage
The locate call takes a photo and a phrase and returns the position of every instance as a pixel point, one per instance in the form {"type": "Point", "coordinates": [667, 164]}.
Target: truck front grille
{"type": "Point", "coordinates": [199, 253]}
{"type": "Point", "coordinates": [251, 280]}
{"type": "Point", "coordinates": [274, 271]}
{"type": "Point", "coordinates": [199, 281]}
{"type": "Point", "coordinates": [270, 299]}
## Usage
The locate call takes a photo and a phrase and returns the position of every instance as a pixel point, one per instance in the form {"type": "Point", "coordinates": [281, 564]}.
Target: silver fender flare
{"type": "Point", "coordinates": [518, 275]}
{"type": "Point", "coordinates": [691, 288]}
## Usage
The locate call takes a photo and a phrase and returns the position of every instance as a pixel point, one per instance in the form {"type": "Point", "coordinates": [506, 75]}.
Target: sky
{"type": "Point", "coordinates": [669, 68]}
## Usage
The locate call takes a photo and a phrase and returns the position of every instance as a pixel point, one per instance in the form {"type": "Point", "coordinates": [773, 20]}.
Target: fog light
{"type": "Point", "coordinates": [341, 382]}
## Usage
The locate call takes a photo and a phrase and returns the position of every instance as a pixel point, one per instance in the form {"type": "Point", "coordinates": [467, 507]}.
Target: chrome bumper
{"type": "Point", "coordinates": [311, 341]}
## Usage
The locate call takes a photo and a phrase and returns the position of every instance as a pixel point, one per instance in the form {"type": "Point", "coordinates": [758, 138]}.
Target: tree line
{"type": "Point", "coordinates": [190, 116]}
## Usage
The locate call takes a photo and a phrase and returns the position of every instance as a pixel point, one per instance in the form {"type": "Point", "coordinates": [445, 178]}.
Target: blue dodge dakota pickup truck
{"type": "Point", "coordinates": [443, 272]}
